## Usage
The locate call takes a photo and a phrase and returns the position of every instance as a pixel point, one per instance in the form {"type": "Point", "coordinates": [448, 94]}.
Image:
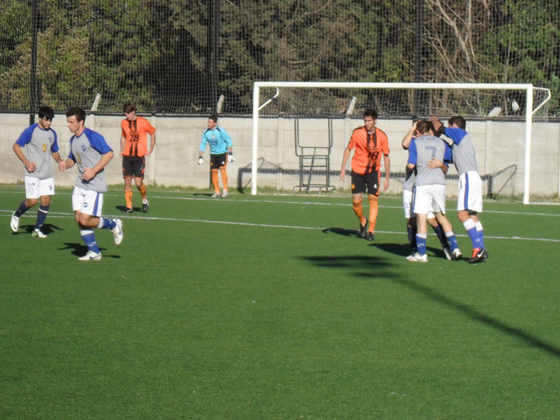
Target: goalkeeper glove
{"type": "Point", "coordinates": [200, 160]}
{"type": "Point", "coordinates": [230, 158]}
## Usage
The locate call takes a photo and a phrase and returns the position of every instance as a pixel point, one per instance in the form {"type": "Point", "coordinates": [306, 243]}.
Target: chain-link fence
{"type": "Point", "coordinates": [199, 56]}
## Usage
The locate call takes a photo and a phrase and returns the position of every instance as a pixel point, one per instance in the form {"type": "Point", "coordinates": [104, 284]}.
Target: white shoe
{"type": "Point", "coordinates": [216, 195]}
{"type": "Point", "coordinates": [14, 223]}
{"type": "Point", "coordinates": [417, 258]}
{"type": "Point", "coordinates": [38, 234]}
{"type": "Point", "coordinates": [224, 194]}
{"type": "Point", "coordinates": [117, 232]}
{"type": "Point", "coordinates": [448, 254]}
{"type": "Point", "coordinates": [91, 256]}
{"type": "Point", "coordinates": [457, 254]}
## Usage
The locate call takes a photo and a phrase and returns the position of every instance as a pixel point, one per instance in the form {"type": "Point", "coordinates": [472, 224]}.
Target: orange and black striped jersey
{"type": "Point", "coordinates": [136, 136]}
{"type": "Point", "coordinates": [368, 148]}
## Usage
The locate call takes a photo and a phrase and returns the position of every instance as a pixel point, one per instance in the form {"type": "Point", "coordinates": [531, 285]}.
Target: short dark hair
{"type": "Point", "coordinates": [213, 117]}
{"type": "Point", "coordinates": [78, 112]}
{"type": "Point", "coordinates": [458, 121]}
{"type": "Point", "coordinates": [423, 126]}
{"type": "Point", "coordinates": [46, 112]}
{"type": "Point", "coordinates": [128, 107]}
{"type": "Point", "coordinates": [370, 112]}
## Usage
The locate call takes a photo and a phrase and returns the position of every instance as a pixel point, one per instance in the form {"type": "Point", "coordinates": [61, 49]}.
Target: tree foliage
{"type": "Point", "coordinates": [156, 52]}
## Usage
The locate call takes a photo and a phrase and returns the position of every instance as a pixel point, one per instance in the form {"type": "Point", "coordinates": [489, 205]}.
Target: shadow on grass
{"type": "Point", "coordinates": [80, 250]}
{"type": "Point", "coordinates": [369, 267]}
{"type": "Point", "coordinates": [47, 228]}
{"type": "Point", "coordinates": [342, 232]}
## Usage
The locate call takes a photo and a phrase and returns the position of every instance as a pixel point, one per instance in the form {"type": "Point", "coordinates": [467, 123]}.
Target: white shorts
{"type": "Point", "coordinates": [470, 192]}
{"type": "Point", "coordinates": [87, 202]}
{"type": "Point", "coordinates": [429, 198]}
{"type": "Point", "coordinates": [35, 187]}
{"type": "Point", "coordinates": [407, 206]}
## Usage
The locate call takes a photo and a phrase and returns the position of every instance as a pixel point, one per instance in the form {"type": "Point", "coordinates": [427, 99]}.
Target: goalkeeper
{"type": "Point", "coordinates": [220, 154]}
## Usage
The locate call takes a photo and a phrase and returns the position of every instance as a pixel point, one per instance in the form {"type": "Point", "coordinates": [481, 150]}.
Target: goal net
{"type": "Point", "coordinates": [316, 119]}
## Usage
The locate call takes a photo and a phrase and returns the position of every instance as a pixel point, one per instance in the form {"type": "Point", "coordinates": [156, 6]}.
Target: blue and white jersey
{"type": "Point", "coordinates": [464, 156]}
{"type": "Point", "coordinates": [421, 152]}
{"type": "Point", "coordinates": [218, 139]}
{"type": "Point", "coordinates": [86, 151]}
{"type": "Point", "coordinates": [39, 145]}
{"type": "Point", "coordinates": [410, 177]}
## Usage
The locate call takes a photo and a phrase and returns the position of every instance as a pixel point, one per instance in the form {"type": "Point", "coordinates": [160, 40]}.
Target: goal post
{"type": "Point", "coordinates": [527, 89]}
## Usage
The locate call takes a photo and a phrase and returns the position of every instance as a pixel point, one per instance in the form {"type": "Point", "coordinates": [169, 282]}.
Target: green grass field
{"type": "Point", "coordinates": [270, 307]}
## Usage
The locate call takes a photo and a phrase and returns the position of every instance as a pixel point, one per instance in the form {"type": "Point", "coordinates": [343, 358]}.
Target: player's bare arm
{"type": "Point", "coordinates": [387, 163]}
{"type": "Point", "coordinates": [31, 166]}
{"type": "Point", "coordinates": [408, 138]}
{"type": "Point", "coordinates": [123, 143]}
{"type": "Point", "coordinates": [344, 160]}
{"type": "Point", "coordinates": [152, 144]}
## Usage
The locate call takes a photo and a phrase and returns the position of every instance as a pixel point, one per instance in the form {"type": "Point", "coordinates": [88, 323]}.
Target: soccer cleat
{"type": "Point", "coordinates": [145, 205]}
{"type": "Point", "coordinates": [216, 195]}
{"type": "Point", "coordinates": [417, 258]}
{"type": "Point", "coordinates": [127, 210]}
{"type": "Point", "coordinates": [363, 230]}
{"type": "Point", "coordinates": [91, 256]}
{"type": "Point", "coordinates": [479, 255]}
{"type": "Point", "coordinates": [38, 234]}
{"type": "Point", "coordinates": [457, 254]}
{"type": "Point", "coordinates": [117, 231]}
{"type": "Point", "coordinates": [14, 223]}
{"type": "Point", "coordinates": [448, 254]}
{"type": "Point", "coordinates": [224, 194]}
{"type": "Point", "coordinates": [370, 237]}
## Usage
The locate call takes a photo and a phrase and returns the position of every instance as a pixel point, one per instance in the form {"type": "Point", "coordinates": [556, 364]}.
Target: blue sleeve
{"type": "Point", "coordinates": [412, 153]}
{"type": "Point", "coordinates": [25, 137]}
{"type": "Point", "coordinates": [71, 155]}
{"type": "Point", "coordinates": [54, 147]}
{"type": "Point", "coordinates": [98, 142]}
{"type": "Point", "coordinates": [455, 134]}
{"type": "Point", "coordinates": [203, 141]}
{"type": "Point", "coordinates": [447, 156]}
{"type": "Point", "coordinates": [226, 137]}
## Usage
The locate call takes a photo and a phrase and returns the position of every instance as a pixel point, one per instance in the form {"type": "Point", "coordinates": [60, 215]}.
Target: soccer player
{"type": "Point", "coordinates": [369, 144]}
{"type": "Point", "coordinates": [134, 151]}
{"type": "Point", "coordinates": [220, 154]}
{"type": "Point", "coordinates": [427, 156]}
{"type": "Point", "coordinates": [469, 202]}
{"type": "Point", "coordinates": [90, 151]}
{"type": "Point", "coordinates": [40, 142]}
{"type": "Point", "coordinates": [408, 187]}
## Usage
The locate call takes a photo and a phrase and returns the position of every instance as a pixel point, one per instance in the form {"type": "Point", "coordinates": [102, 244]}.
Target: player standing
{"type": "Point", "coordinates": [134, 151]}
{"type": "Point", "coordinates": [220, 153]}
{"type": "Point", "coordinates": [469, 202]}
{"type": "Point", "coordinates": [40, 142]}
{"type": "Point", "coordinates": [90, 151]}
{"type": "Point", "coordinates": [427, 156]}
{"type": "Point", "coordinates": [408, 187]}
{"type": "Point", "coordinates": [369, 144]}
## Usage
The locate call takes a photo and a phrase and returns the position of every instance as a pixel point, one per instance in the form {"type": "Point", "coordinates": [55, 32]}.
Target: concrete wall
{"type": "Point", "coordinates": [174, 161]}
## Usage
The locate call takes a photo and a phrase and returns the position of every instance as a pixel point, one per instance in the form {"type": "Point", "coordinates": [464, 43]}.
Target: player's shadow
{"type": "Point", "coordinates": [404, 250]}
{"type": "Point", "coordinates": [377, 268]}
{"type": "Point", "coordinates": [47, 229]}
{"type": "Point", "coordinates": [203, 194]}
{"type": "Point", "coordinates": [121, 208]}
{"type": "Point", "coordinates": [80, 250]}
{"type": "Point", "coordinates": [342, 232]}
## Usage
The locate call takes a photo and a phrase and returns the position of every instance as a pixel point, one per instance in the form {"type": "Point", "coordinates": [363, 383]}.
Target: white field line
{"type": "Point", "coordinates": [58, 215]}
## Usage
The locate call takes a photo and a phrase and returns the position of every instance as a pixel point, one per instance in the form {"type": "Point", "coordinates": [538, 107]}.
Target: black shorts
{"type": "Point", "coordinates": [360, 182]}
{"type": "Point", "coordinates": [218, 161]}
{"type": "Point", "coordinates": [133, 166]}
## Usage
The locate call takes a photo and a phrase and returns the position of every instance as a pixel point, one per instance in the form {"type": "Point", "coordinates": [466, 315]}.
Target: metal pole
{"type": "Point", "coordinates": [33, 70]}
{"type": "Point", "coordinates": [418, 54]}
{"type": "Point", "coordinates": [213, 41]}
